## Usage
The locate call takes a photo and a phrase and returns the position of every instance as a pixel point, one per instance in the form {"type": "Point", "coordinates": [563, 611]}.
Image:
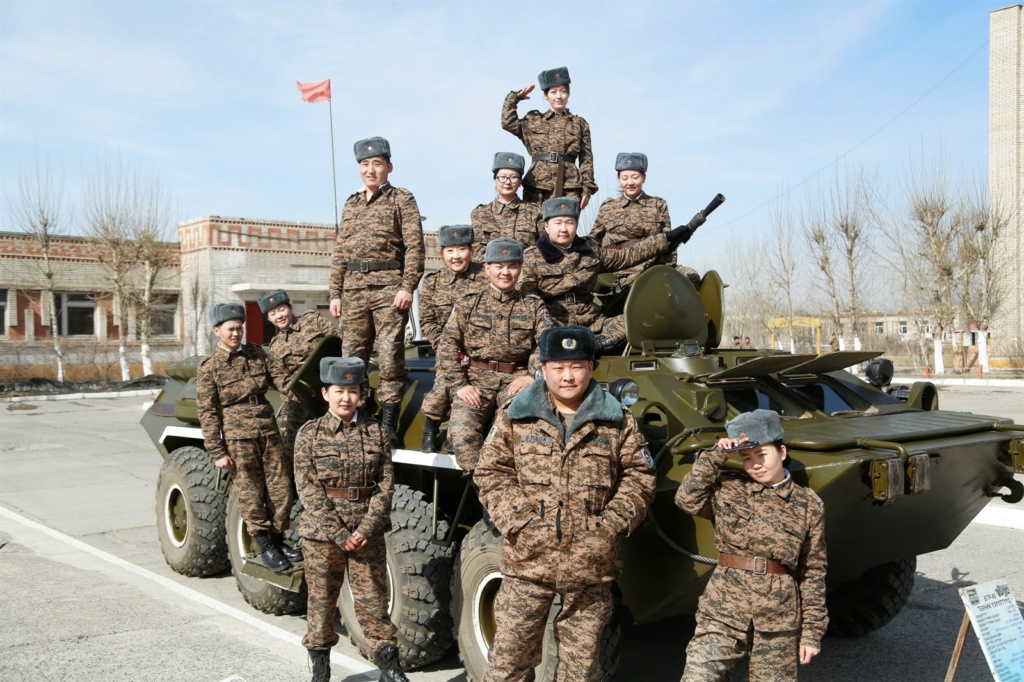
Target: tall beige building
{"type": "Point", "coordinates": [1006, 168]}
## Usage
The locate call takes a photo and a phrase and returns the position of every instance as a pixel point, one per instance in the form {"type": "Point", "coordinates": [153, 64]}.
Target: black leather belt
{"type": "Point", "coordinates": [552, 157]}
{"type": "Point", "coordinates": [373, 265]}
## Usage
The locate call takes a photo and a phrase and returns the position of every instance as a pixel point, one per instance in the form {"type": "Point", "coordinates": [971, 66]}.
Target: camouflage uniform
{"type": "Point", "coordinates": [384, 236]}
{"type": "Point", "coordinates": [291, 347]}
{"type": "Point", "coordinates": [621, 221]}
{"type": "Point", "coordinates": [349, 457]}
{"type": "Point", "coordinates": [561, 494]}
{"type": "Point", "coordinates": [237, 421]}
{"type": "Point", "coordinates": [488, 326]}
{"type": "Point", "coordinates": [517, 220]}
{"type": "Point", "coordinates": [438, 293]}
{"type": "Point", "coordinates": [563, 133]}
{"type": "Point", "coordinates": [565, 278]}
{"type": "Point", "coordinates": [769, 615]}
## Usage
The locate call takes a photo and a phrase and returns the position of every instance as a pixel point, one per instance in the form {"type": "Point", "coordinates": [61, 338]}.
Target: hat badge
{"type": "Point", "coordinates": [504, 252]}
{"type": "Point", "coordinates": [369, 147]}
{"type": "Point", "coordinates": [568, 344]}
{"type": "Point", "coordinates": [558, 75]}
{"type": "Point", "coordinates": [629, 162]}
{"type": "Point", "coordinates": [510, 159]}
{"type": "Point", "coordinates": [349, 375]}
{"type": "Point", "coordinates": [562, 206]}
{"type": "Point", "coordinates": [743, 434]}
{"type": "Point", "coordinates": [455, 234]}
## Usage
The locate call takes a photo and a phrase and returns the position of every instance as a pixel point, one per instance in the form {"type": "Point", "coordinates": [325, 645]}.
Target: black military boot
{"type": "Point", "coordinates": [292, 554]}
{"type": "Point", "coordinates": [321, 659]}
{"type": "Point", "coordinates": [389, 417]}
{"type": "Point", "coordinates": [389, 665]}
{"type": "Point", "coordinates": [270, 553]}
{"type": "Point", "coordinates": [431, 430]}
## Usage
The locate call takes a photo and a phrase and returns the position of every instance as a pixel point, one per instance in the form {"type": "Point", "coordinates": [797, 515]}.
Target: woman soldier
{"type": "Point", "coordinates": [506, 216]}
{"type": "Point", "coordinates": [556, 141]}
{"type": "Point", "coordinates": [345, 480]}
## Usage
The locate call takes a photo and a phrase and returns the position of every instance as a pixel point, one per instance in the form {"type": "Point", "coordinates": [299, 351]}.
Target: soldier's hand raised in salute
{"type": "Point", "coordinates": [525, 92]}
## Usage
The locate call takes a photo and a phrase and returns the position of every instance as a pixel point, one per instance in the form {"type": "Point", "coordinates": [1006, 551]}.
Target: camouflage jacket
{"type": "Point", "coordinates": [504, 326]}
{"type": "Point", "coordinates": [387, 227]}
{"type": "Point", "coordinates": [231, 396]}
{"type": "Point", "coordinates": [564, 133]}
{"type": "Point", "coordinates": [622, 219]}
{"type": "Point", "coordinates": [565, 278]}
{"type": "Point", "coordinates": [786, 524]}
{"type": "Point", "coordinates": [292, 346]}
{"type": "Point", "coordinates": [337, 455]}
{"type": "Point", "coordinates": [517, 219]}
{"type": "Point", "coordinates": [438, 293]}
{"type": "Point", "coordinates": [561, 495]}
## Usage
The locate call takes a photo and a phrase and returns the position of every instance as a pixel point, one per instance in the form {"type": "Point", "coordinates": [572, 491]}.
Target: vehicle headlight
{"type": "Point", "coordinates": [879, 372]}
{"type": "Point", "coordinates": [625, 391]}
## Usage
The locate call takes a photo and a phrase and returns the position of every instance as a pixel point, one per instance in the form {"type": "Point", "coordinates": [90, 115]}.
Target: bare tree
{"type": "Point", "coordinates": [816, 228]}
{"type": "Point", "coordinates": [37, 211]}
{"type": "Point", "coordinates": [151, 231]}
{"type": "Point", "coordinates": [781, 259]}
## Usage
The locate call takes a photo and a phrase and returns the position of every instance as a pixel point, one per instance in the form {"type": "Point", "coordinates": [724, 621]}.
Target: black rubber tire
{"type": "Point", "coordinates": [872, 600]}
{"type": "Point", "coordinates": [475, 584]}
{"type": "Point", "coordinates": [190, 514]}
{"type": "Point", "coordinates": [419, 579]}
{"type": "Point", "coordinates": [261, 595]}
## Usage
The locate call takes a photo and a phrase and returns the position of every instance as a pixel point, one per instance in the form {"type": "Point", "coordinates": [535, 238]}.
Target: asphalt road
{"type": "Point", "coordinates": [85, 593]}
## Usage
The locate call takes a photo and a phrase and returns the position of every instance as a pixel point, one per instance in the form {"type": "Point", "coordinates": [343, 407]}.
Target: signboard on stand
{"type": "Point", "coordinates": [996, 619]}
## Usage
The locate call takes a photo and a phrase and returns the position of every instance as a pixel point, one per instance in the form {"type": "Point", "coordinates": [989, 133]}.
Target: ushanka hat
{"type": "Point", "coordinates": [559, 206]}
{"type": "Point", "coordinates": [372, 146]}
{"type": "Point", "coordinates": [222, 312]}
{"type": "Point", "coordinates": [571, 342]}
{"type": "Point", "coordinates": [552, 77]}
{"type": "Point", "coordinates": [454, 235]}
{"type": "Point", "coordinates": [760, 427]}
{"type": "Point", "coordinates": [273, 299]}
{"type": "Point", "coordinates": [631, 161]}
{"type": "Point", "coordinates": [509, 160]}
{"type": "Point", "coordinates": [504, 250]}
{"type": "Point", "coordinates": [342, 371]}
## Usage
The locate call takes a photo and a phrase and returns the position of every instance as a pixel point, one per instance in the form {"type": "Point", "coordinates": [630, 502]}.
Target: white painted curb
{"type": "Point", "coordinates": [79, 396]}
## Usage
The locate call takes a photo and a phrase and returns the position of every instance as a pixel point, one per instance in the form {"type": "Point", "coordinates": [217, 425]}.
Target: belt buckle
{"type": "Point", "coordinates": [353, 493]}
{"type": "Point", "coordinates": [492, 365]}
{"type": "Point", "coordinates": [254, 401]}
{"type": "Point", "coordinates": [364, 266]}
{"type": "Point", "coordinates": [570, 298]}
{"type": "Point", "coordinates": [764, 565]}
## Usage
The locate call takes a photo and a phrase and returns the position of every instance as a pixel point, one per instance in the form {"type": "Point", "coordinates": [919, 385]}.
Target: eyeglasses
{"type": "Point", "coordinates": [507, 179]}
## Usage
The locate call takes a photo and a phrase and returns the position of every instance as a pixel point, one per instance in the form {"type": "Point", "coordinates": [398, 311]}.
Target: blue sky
{"type": "Point", "coordinates": [743, 98]}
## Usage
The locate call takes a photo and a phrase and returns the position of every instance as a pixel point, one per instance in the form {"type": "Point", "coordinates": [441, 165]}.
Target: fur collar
{"type": "Point", "coordinates": [553, 254]}
{"type": "Point", "coordinates": [533, 402]}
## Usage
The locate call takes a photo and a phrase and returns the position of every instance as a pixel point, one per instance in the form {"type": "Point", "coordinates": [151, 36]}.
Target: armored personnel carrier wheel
{"type": "Point", "coordinates": [474, 590]}
{"type": "Point", "coordinates": [419, 579]}
{"type": "Point", "coordinates": [190, 514]}
{"type": "Point", "coordinates": [261, 595]}
{"type": "Point", "coordinates": [872, 600]}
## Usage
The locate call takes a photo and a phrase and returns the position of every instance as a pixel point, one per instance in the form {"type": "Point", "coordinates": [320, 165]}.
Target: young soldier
{"type": "Point", "coordinates": [438, 293]}
{"type": "Point", "coordinates": [294, 339]}
{"type": "Point", "coordinates": [241, 435]}
{"type": "Point", "coordinates": [377, 263]}
{"type": "Point", "coordinates": [506, 216]}
{"type": "Point", "coordinates": [344, 476]}
{"type": "Point", "coordinates": [555, 139]}
{"type": "Point", "coordinates": [565, 472]}
{"type": "Point", "coordinates": [767, 594]}
{"type": "Point", "coordinates": [496, 330]}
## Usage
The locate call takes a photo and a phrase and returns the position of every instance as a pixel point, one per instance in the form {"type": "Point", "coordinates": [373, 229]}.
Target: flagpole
{"type": "Point", "coordinates": [334, 172]}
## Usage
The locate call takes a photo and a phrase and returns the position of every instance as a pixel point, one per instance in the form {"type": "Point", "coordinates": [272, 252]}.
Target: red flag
{"type": "Point", "coordinates": [316, 92]}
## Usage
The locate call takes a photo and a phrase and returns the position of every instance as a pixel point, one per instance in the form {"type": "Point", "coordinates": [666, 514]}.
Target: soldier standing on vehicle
{"type": "Point", "coordinates": [562, 268]}
{"type": "Point", "coordinates": [555, 140]}
{"type": "Point", "coordinates": [496, 330]}
{"type": "Point", "coordinates": [766, 597]}
{"type": "Point", "coordinates": [506, 216]}
{"type": "Point", "coordinates": [565, 472]}
{"type": "Point", "coordinates": [294, 339]}
{"type": "Point", "coordinates": [377, 263]}
{"type": "Point", "coordinates": [438, 293]}
{"type": "Point", "coordinates": [240, 433]}
{"type": "Point", "coordinates": [344, 475]}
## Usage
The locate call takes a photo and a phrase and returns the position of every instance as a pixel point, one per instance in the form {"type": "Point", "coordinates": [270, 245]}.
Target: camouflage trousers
{"type": "Point", "coordinates": [468, 425]}
{"type": "Point", "coordinates": [538, 195]}
{"type": "Point", "coordinates": [264, 479]}
{"type": "Point", "coordinates": [716, 647]}
{"type": "Point", "coordinates": [292, 417]}
{"type": "Point", "coordinates": [326, 564]}
{"type": "Point", "coordinates": [367, 316]}
{"type": "Point", "coordinates": [520, 617]}
{"type": "Point", "coordinates": [438, 401]}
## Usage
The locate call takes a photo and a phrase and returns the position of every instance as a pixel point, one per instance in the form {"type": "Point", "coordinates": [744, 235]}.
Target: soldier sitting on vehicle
{"type": "Point", "coordinates": [240, 433]}
{"type": "Point", "coordinates": [506, 215]}
{"type": "Point", "coordinates": [438, 293]}
{"type": "Point", "coordinates": [767, 595]}
{"type": "Point", "coordinates": [344, 476]}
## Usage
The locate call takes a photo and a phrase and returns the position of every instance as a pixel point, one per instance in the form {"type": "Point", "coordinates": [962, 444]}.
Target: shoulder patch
{"type": "Point", "coordinates": [814, 496]}
{"type": "Point", "coordinates": [546, 314]}
{"type": "Point", "coordinates": [645, 452]}
{"type": "Point", "coordinates": [490, 434]}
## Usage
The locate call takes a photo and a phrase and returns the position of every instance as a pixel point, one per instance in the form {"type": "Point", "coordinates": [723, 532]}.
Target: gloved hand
{"type": "Point", "coordinates": [681, 235]}
{"type": "Point", "coordinates": [602, 344]}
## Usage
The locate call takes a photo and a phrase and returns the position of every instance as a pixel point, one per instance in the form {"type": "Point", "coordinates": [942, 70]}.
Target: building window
{"type": "Point", "coordinates": [903, 327]}
{"type": "Point", "coordinates": [77, 315]}
{"type": "Point", "coordinates": [926, 327]}
{"type": "Point", "coordinates": [163, 320]}
{"type": "Point", "coordinates": [879, 327]}
{"type": "Point", "coordinates": [4, 322]}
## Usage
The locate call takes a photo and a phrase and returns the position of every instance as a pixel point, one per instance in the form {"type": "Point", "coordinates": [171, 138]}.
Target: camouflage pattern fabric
{"type": "Point", "coordinates": [564, 133]}
{"type": "Point", "coordinates": [385, 227]}
{"type": "Point", "coordinates": [521, 614]}
{"type": "Point", "coordinates": [784, 523]}
{"type": "Point", "coordinates": [367, 316]}
{"type": "Point", "coordinates": [519, 220]}
{"type": "Point", "coordinates": [291, 418]}
{"type": "Point", "coordinates": [467, 425]}
{"type": "Point", "coordinates": [263, 479]}
{"type": "Point", "coordinates": [622, 219]}
{"type": "Point", "coordinates": [437, 403]}
{"type": "Point", "coordinates": [325, 567]}
{"type": "Point", "coordinates": [716, 647]}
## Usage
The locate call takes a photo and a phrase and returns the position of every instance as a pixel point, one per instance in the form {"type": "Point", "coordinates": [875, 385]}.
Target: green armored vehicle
{"type": "Point", "coordinates": [898, 478]}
